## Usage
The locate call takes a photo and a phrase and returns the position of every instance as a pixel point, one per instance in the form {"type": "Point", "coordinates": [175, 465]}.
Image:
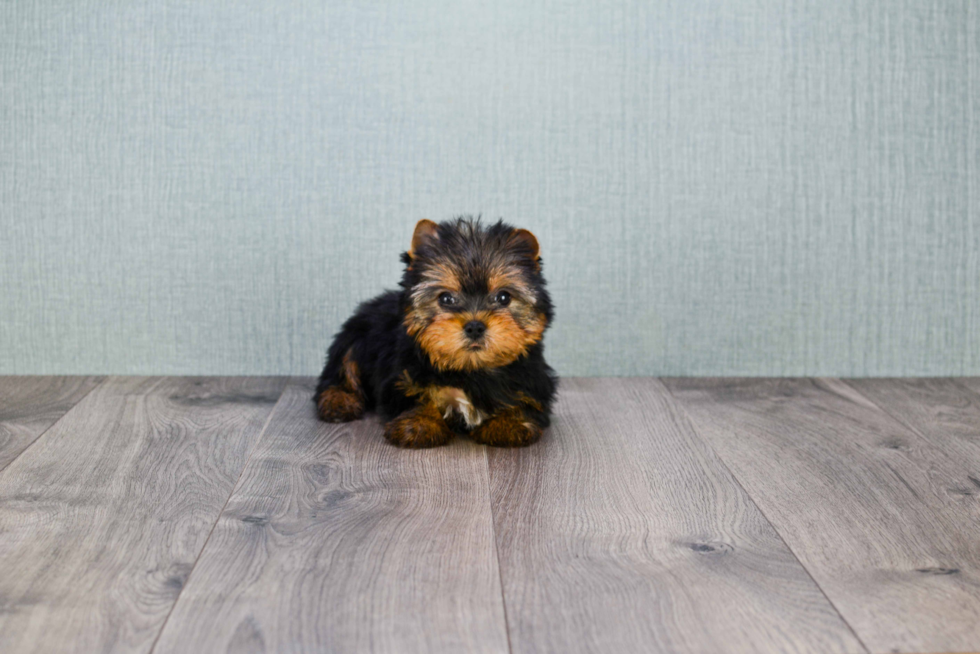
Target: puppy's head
{"type": "Point", "coordinates": [475, 297]}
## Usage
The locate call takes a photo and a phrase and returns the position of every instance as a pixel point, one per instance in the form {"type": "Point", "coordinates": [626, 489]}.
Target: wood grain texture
{"type": "Point", "coordinates": [973, 383]}
{"type": "Point", "coordinates": [943, 411]}
{"type": "Point", "coordinates": [29, 405]}
{"type": "Point", "coordinates": [102, 519]}
{"type": "Point", "coordinates": [863, 502]}
{"type": "Point", "coordinates": [336, 541]}
{"type": "Point", "coordinates": [622, 532]}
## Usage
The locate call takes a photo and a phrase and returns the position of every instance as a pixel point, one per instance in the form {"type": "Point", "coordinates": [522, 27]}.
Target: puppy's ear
{"type": "Point", "coordinates": [523, 239]}
{"type": "Point", "coordinates": [425, 231]}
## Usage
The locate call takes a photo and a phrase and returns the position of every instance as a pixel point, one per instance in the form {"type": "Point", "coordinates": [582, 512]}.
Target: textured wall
{"type": "Point", "coordinates": [720, 187]}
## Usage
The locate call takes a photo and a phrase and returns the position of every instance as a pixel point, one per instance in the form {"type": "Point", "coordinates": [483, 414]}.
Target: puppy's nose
{"type": "Point", "coordinates": [474, 329]}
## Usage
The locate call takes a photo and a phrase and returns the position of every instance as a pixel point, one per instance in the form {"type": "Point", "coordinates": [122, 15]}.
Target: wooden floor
{"type": "Point", "coordinates": [678, 515]}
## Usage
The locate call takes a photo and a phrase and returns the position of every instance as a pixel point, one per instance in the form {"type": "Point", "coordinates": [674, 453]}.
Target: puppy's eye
{"type": "Point", "coordinates": [502, 298]}
{"type": "Point", "coordinates": [447, 299]}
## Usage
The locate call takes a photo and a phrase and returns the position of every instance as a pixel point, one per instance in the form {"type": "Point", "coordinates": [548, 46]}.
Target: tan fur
{"type": "Point", "coordinates": [529, 241]}
{"type": "Point", "coordinates": [523, 399]}
{"type": "Point", "coordinates": [508, 428]}
{"type": "Point", "coordinates": [343, 402]}
{"type": "Point", "coordinates": [448, 347]}
{"type": "Point", "coordinates": [337, 405]}
{"type": "Point", "coordinates": [446, 399]}
{"type": "Point", "coordinates": [351, 374]}
{"type": "Point", "coordinates": [505, 277]}
{"type": "Point", "coordinates": [424, 230]}
{"type": "Point", "coordinates": [437, 278]}
{"type": "Point", "coordinates": [419, 427]}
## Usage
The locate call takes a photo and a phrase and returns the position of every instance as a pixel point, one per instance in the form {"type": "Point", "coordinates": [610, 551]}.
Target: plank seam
{"type": "Point", "coordinates": [679, 405]}
{"type": "Point", "coordinates": [258, 442]}
{"type": "Point", "coordinates": [52, 425]}
{"type": "Point", "coordinates": [496, 549]}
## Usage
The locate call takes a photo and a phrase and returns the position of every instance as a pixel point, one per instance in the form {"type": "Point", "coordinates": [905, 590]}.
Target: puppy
{"type": "Point", "coordinates": [457, 350]}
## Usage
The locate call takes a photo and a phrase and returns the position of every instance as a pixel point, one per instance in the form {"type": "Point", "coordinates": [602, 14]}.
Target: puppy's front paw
{"type": "Point", "coordinates": [418, 427]}
{"type": "Point", "coordinates": [508, 429]}
{"type": "Point", "coordinates": [337, 405]}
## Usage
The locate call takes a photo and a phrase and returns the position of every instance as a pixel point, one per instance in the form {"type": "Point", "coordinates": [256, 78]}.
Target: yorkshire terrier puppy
{"type": "Point", "coordinates": [457, 349]}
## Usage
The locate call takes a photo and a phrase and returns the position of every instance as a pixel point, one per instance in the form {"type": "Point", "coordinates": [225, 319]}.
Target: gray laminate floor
{"type": "Point", "coordinates": [676, 515]}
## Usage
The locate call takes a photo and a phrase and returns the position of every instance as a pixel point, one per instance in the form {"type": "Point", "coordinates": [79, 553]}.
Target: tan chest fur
{"type": "Point", "coordinates": [451, 401]}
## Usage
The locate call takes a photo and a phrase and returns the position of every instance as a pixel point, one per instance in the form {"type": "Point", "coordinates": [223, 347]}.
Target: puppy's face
{"type": "Point", "coordinates": [476, 298]}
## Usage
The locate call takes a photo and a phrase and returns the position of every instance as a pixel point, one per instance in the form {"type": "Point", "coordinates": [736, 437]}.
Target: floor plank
{"type": "Point", "coordinates": [973, 383]}
{"type": "Point", "coordinates": [862, 501]}
{"type": "Point", "coordinates": [336, 541]}
{"type": "Point", "coordinates": [29, 405]}
{"type": "Point", "coordinates": [102, 519]}
{"type": "Point", "coordinates": [622, 532]}
{"type": "Point", "coordinates": [944, 411]}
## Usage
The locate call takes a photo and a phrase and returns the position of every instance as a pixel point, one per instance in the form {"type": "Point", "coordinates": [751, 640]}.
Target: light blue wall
{"type": "Point", "coordinates": [720, 187]}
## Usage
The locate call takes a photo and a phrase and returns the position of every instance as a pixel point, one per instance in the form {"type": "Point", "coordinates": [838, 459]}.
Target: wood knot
{"type": "Point", "coordinates": [894, 444]}
{"type": "Point", "coordinates": [174, 583]}
{"type": "Point", "coordinates": [256, 520]}
{"type": "Point", "coordinates": [332, 497]}
{"type": "Point", "coordinates": [709, 547]}
{"type": "Point", "coordinates": [938, 571]}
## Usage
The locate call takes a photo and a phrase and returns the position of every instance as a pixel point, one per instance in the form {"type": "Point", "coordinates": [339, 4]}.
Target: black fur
{"type": "Point", "coordinates": [379, 342]}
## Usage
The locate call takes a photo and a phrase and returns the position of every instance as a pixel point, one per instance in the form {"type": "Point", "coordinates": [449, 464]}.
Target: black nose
{"type": "Point", "coordinates": [474, 329]}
